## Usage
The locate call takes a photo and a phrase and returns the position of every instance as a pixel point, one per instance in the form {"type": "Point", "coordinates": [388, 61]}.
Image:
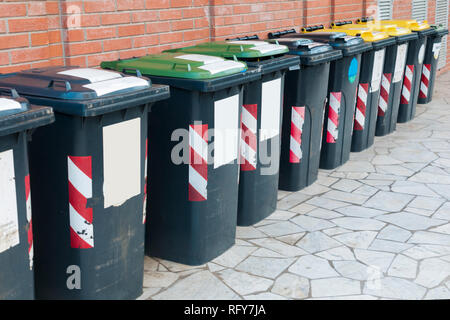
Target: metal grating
{"type": "Point", "coordinates": [442, 18]}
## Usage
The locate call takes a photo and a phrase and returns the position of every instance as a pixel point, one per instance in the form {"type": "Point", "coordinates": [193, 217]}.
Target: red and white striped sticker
{"type": "Point", "coordinates": [198, 162]}
{"type": "Point", "coordinates": [249, 142]}
{"type": "Point", "coordinates": [80, 190]}
{"type": "Point", "coordinates": [297, 121]}
{"type": "Point", "coordinates": [407, 82]}
{"type": "Point", "coordinates": [361, 103]}
{"type": "Point", "coordinates": [30, 226]}
{"type": "Point", "coordinates": [333, 117]}
{"type": "Point", "coordinates": [384, 93]}
{"type": "Point", "coordinates": [425, 81]}
{"type": "Point", "coordinates": [144, 216]}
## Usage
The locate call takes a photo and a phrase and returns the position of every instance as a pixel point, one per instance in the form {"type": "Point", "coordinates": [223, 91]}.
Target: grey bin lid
{"type": "Point", "coordinates": [83, 91]}
{"type": "Point", "coordinates": [16, 113]}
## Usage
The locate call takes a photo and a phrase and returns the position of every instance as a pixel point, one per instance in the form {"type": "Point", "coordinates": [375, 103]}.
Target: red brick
{"type": "Point", "coordinates": [14, 41]}
{"type": "Point", "coordinates": [39, 39]}
{"type": "Point", "coordinates": [37, 8]}
{"type": "Point", "coordinates": [157, 4]}
{"type": "Point", "coordinates": [29, 54]}
{"type": "Point", "coordinates": [52, 7]}
{"type": "Point", "coordinates": [196, 35]}
{"type": "Point", "coordinates": [171, 14]}
{"type": "Point", "coordinates": [201, 23]}
{"type": "Point", "coordinates": [2, 26]}
{"type": "Point", "coordinates": [76, 61]}
{"type": "Point", "coordinates": [180, 3]}
{"type": "Point", "coordinates": [74, 35]}
{"type": "Point", "coordinates": [171, 37]}
{"type": "Point", "coordinates": [130, 4]}
{"type": "Point", "coordinates": [115, 18]}
{"type": "Point", "coordinates": [132, 53]}
{"type": "Point", "coordinates": [95, 60]}
{"type": "Point", "coordinates": [11, 69]}
{"type": "Point", "coordinates": [194, 12]}
{"type": "Point", "coordinates": [116, 44]}
{"type": "Point", "coordinates": [100, 33]}
{"type": "Point", "coordinates": [28, 24]}
{"type": "Point", "coordinates": [146, 41]}
{"type": "Point", "coordinates": [75, 49]}
{"type": "Point", "coordinates": [99, 6]}
{"type": "Point", "coordinates": [182, 25]}
{"type": "Point", "coordinates": [158, 27]}
{"type": "Point", "coordinates": [132, 30]}
{"type": "Point", "coordinates": [12, 10]}
{"type": "Point", "coordinates": [54, 36]}
{"type": "Point", "coordinates": [144, 16]}
{"type": "Point", "coordinates": [55, 51]}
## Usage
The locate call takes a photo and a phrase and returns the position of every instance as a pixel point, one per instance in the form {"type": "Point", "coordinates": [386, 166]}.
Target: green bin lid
{"type": "Point", "coordinates": [178, 65]}
{"type": "Point", "coordinates": [236, 49]}
{"type": "Point", "coordinates": [440, 29]}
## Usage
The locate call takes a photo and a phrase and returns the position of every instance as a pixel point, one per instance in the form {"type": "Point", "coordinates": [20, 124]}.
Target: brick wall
{"type": "Point", "coordinates": [29, 35]}
{"type": "Point", "coordinates": [85, 32]}
{"type": "Point", "coordinates": [112, 29]}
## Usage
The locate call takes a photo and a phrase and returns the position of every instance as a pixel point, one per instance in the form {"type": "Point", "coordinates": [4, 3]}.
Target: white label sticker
{"type": "Point", "coordinates": [226, 130]}
{"type": "Point", "coordinates": [421, 54]}
{"type": "Point", "coordinates": [261, 46]}
{"type": "Point", "coordinates": [222, 66]}
{"type": "Point", "coordinates": [200, 58]}
{"type": "Point", "coordinates": [270, 109]}
{"type": "Point", "coordinates": [9, 226]}
{"type": "Point", "coordinates": [436, 49]}
{"type": "Point", "coordinates": [93, 75]}
{"type": "Point", "coordinates": [400, 62]}
{"type": "Point", "coordinates": [8, 104]}
{"type": "Point", "coordinates": [213, 64]}
{"type": "Point", "coordinates": [109, 86]}
{"type": "Point", "coordinates": [377, 71]}
{"type": "Point", "coordinates": [121, 162]}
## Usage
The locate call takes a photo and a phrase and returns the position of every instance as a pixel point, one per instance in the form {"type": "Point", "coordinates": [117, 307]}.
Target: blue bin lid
{"type": "Point", "coordinates": [17, 114]}
{"type": "Point", "coordinates": [349, 45]}
{"type": "Point", "coordinates": [83, 91]}
{"type": "Point", "coordinates": [310, 52]}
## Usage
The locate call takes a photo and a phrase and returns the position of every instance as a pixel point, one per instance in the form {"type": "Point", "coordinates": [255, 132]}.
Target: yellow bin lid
{"type": "Point", "coordinates": [410, 24]}
{"type": "Point", "coordinates": [391, 29]}
{"type": "Point", "coordinates": [368, 34]}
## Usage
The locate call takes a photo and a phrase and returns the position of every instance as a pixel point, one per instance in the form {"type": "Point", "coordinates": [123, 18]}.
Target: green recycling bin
{"type": "Point", "coordinates": [342, 89]}
{"type": "Point", "coordinates": [430, 62]}
{"type": "Point", "coordinates": [18, 119]}
{"type": "Point", "coordinates": [305, 96]}
{"type": "Point", "coordinates": [193, 184]}
{"type": "Point", "coordinates": [88, 180]}
{"type": "Point", "coordinates": [261, 120]}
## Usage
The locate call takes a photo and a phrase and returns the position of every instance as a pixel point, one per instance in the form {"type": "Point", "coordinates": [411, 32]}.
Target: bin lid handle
{"type": "Point", "coordinates": [60, 84]}
{"type": "Point", "coordinates": [9, 92]}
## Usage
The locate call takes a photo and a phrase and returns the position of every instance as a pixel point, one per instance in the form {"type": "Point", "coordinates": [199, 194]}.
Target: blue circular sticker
{"type": "Point", "coordinates": [353, 70]}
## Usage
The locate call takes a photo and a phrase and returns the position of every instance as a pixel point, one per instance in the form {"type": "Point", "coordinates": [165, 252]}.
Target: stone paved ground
{"type": "Point", "coordinates": [376, 228]}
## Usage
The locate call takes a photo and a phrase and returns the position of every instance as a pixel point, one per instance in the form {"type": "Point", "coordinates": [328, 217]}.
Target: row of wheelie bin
{"type": "Point", "coordinates": [99, 167]}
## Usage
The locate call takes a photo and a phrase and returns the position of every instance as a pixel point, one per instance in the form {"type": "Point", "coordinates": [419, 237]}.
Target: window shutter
{"type": "Point", "coordinates": [419, 10]}
{"type": "Point", "coordinates": [442, 18]}
{"type": "Point", "coordinates": [385, 9]}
